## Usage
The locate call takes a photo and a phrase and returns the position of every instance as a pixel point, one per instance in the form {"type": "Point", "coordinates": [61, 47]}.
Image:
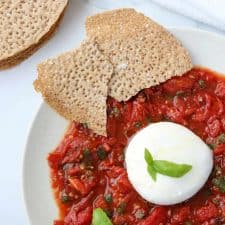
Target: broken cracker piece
{"type": "Point", "coordinates": [75, 84]}
{"type": "Point", "coordinates": [142, 52]}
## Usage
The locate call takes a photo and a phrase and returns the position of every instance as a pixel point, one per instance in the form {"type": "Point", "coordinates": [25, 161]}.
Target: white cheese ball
{"type": "Point", "coordinates": [174, 143]}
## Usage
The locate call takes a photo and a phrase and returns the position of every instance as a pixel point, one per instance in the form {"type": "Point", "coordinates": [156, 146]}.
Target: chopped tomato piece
{"type": "Point", "coordinates": [100, 202]}
{"type": "Point", "coordinates": [176, 84]}
{"type": "Point", "coordinates": [181, 215]}
{"type": "Point", "coordinates": [58, 222]}
{"type": "Point", "coordinates": [220, 149]}
{"type": "Point", "coordinates": [220, 89]}
{"type": "Point", "coordinates": [206, 212]}
{"type": "Point", "coordinates": [78, 185]}
{"type": "Point", "coordinates": [158, 216]}
{"type": "Point", "coordinates": [214, 127]}
{"type": "Point", "coordinates": [84, 217]}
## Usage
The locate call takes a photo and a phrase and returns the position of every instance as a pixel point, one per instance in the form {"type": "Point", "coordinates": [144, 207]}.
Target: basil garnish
{"type": "Point", "coordinates": [148, 157]}
{"type": "Point", "coordinates": [100, 217]}
{"type": "Point", "coordinates": [149, 161]}
{"type": "Point", "coordinates": [171, 169]}
{"type": "Point", "coordinates": [152, 172]}
{"type": "Point", "coordinates": [164, 167]}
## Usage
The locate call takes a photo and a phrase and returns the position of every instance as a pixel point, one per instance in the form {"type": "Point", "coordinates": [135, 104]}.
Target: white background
{"type": "Point", "coordinates": [19, 102]}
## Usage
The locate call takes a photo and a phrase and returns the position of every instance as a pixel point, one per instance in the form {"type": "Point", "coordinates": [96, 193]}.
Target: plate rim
{"type": "Point", "coordinates": [25, 150]}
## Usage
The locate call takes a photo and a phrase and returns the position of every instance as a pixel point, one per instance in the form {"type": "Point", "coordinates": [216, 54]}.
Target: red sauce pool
{"type": "Point", "coordinates": [87, 171]}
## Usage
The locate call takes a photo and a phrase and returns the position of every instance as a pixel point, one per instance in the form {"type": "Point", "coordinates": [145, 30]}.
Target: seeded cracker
{"type": "Point", "coordinates": [142, 52]}
{"type": "Point", "coordinates": [25, 25]}
{"type": "Point", "coordinates": [75, 84]}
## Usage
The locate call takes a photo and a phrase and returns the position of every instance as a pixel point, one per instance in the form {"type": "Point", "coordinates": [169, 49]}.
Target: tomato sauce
{"type": "Point", "coordinates": [88, 171]}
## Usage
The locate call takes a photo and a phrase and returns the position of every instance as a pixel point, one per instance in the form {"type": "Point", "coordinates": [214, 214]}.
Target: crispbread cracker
{"type": "Point", "coordinates": [75, 84]}
{"type": "Point", "coordinates": [25, 25]}
{"type": "Point", "coordinates": [143, 53]}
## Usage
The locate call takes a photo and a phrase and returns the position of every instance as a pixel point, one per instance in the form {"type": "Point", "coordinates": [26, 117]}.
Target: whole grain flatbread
{"type": "Point", "coordinates": [142, 52]}
{"type": "Point", "coordinates": [25, 25]}
{"type": "Point", "coordinates": [75, 84]}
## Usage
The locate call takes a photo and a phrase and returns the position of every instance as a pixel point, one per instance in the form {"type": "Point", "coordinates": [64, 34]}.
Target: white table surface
{"type": "Point", "coordinates": [19, 102]}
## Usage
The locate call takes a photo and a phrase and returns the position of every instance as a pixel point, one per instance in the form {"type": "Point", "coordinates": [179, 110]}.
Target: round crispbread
{"type": "Point", "coordinates": [142, 52]}
{"type": "Point", "coordinates": [25, 25]}
{"type": "Point", "coordinates": [75, 84]}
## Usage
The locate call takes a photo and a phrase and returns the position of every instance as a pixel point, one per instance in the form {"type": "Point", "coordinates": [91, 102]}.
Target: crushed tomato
{"type": "Point", "coordinates": [87, 170]}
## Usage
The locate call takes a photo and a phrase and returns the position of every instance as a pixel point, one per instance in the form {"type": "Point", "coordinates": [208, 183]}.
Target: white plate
{"type": "Point", "coordinates": [206, 49]}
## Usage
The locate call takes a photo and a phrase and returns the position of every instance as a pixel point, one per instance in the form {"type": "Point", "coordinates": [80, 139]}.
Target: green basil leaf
{"type": "Point", "coordinates": [152, 172]}
{"type": "Point", "coordinates": [220, 139]}
{"type": "Point", "coordinates": [171, 169]}
{"type": "Point", "coordinates": [202, 83]}
{"type": "Point", "coordinates": [101, 153]}
{"type": "Point", "coordinates": [148, 157]}
{"type": "Point", "coordinates": [219, 183]}
{"type": "Point", "coordinates": [100, 217]}
{"type": "Point", "coordinates": [65, 198]}
{"type": "Point", "coordinates": [108, 198]}
{"type": "Point", "coordinates": [121, 208]}
{"type": "Point", "coordinates": [138, 124]}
